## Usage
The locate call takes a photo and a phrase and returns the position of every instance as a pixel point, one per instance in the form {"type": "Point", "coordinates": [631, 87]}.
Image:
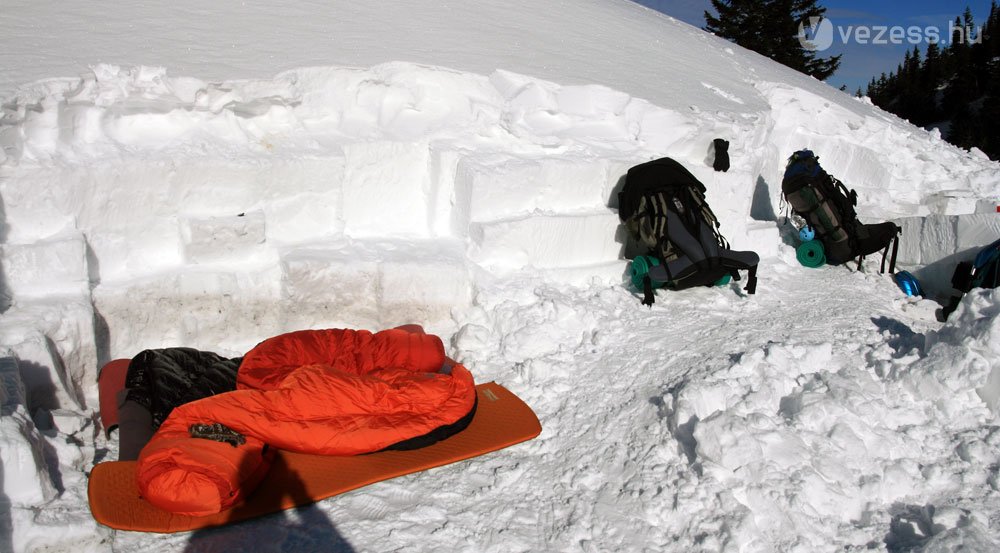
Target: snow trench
{"type": "Point", "coordinates": [141, 210]}
{"type": "Point", "coordinates": [215, 214]}
{"type": "Point", "coordinates": [174, 211]}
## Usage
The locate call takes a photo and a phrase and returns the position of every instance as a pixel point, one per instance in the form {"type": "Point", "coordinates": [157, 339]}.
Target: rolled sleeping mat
{"type": "Point", "coordinates": [640, 268]}
{"type": "Point", "coordinates": [110, 382]}
{"type": "Point", "coordinates": [811, 254]}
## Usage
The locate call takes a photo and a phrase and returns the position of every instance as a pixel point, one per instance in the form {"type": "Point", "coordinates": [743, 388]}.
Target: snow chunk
{"type": "Point", "coordinates": [548, 241]}
{"type": "Point", "coordinates": [386, 188]}
{"type": "Point", "coordinates": [210, 309]}
{"type": "Point", "coordinates": [969, 347]}
{"type": "Point", "coordinates": [57, 265]}
{"type": "Point", "coordinates": [55, 342]}
{"type": "Point", "coordinates": [26, 481]}
{"type": "Point", "coordinates": [221, 239]}
{"type": "Point", "coordinates": [332, 288]}
{"type": "Point", "coordinates": [507, 189]}
{"type": "Point", "coordinates": [376, 284]}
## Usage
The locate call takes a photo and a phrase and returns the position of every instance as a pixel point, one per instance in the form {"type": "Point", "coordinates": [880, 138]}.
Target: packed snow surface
{"type": "Point", "coordinates": [209, 175]}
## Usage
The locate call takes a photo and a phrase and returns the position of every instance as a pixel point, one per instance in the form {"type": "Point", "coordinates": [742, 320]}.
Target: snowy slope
{"type": "Point", "coordinates": [233, 171]}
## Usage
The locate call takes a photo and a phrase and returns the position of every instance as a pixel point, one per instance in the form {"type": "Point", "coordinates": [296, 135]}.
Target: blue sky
{"type": "Point", "coordinates": [861, 62]}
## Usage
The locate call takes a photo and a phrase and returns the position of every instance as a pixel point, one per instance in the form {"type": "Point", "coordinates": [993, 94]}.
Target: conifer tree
{"type": "Point", "coordinates": [991, 32]}
{"type": "Point", "coordinates": [931, 70]}
{"type": "Point", "coordinates": [990, 115]}
{"type": "Point", "coordinates": [911, 99]}
{"type": "Point", "coordinates": [957, 85]}
{"type": "Point", "coordinates": [928, 82]}
{"type": "Point", "coordinates": [960, 130]}
{"type": "Point", "coordinates": [771, 28]}
{"type": "Point", "coordinates": [969, 23]}
{"type": "Point", "coordinates": [963, 85]}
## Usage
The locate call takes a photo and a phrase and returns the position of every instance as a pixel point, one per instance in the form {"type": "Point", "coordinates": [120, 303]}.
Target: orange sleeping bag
{"type": "Point", "coordinates": [327, 392]}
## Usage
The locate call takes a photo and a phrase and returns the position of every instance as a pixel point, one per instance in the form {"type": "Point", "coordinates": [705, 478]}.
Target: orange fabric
{"type": "Point", "coordinates": [327, 392]}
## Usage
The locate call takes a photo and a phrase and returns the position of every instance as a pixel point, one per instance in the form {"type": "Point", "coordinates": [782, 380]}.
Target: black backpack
{"type": "Point", "coordinates": [828, 207]}
{"type": "Point", "coordinates": [663, 208]}
{"type": "Point", "coordinates": [981, 272]}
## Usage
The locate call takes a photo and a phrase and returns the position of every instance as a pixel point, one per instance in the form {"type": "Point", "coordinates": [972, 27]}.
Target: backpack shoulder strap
{"type": "Point", "coordinates": [895, 249]}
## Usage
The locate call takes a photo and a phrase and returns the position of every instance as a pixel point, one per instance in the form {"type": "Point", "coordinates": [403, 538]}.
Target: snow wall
{"type": "Point", "coordinates": [141, 210]}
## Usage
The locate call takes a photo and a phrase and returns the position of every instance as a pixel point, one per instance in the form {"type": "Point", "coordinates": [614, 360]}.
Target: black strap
{"type": "Point", "coordinates": [851, 194]}
{"type": "Point", "coordinates": [895, 250]}
{"type": "Point", "coordinates": [647, 291]}
{"type": "Point", "coordinates": [436, 435]}
{"type": "Point", "coordinates": [892, 261]}
{"type": "Point", "coordinates": [751, 287]}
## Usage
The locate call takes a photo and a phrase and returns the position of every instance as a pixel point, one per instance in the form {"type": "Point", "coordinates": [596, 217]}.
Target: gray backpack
{"type": "Point", "coordinates": [663, 208]}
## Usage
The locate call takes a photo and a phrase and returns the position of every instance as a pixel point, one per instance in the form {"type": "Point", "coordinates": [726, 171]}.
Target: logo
{"type": "Point", "coordinates": [817, 36]}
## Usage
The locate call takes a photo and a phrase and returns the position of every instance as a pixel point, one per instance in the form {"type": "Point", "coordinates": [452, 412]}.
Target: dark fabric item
{"type": "Point", "coordinates": [688, 273]}
{"type": "Point", "coordinates": [647, 291]}
{"type": "Point", "coordinates": [865, 240]}
{"type": "Point", "coordinates": [982, 272]}
{"type": "Point", "coordinates": [663, 173]}
{"type": "Point", "coordinates": [693, 255]}
{"type": "Point", "coordinates": [989, 276]}
{"type": "Point", "coordinates": [720, 149]}
{"type": "Point", "coordinates": [819, 201]}
{"type": "Point", "coordinates": [828, 205]}
{"type": "Point", "coordinates": [664, 210]}
{"type": "Point", "coordinates": [135, 427]}
{"type": "Point", "coordinates": [874, 238]}
{"type": "Point", "coordinates": [163, 379]}
{"type": "Point", "coordinates": [961, 279]}
{"type": "Point", "coordinates": [986, 273]}
{"type": "Point", "coordinates": [700, 245]}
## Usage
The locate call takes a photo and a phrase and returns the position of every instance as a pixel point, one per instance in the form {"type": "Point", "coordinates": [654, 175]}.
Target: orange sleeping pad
{"type": "Point", "coordinates": [295, 479]}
